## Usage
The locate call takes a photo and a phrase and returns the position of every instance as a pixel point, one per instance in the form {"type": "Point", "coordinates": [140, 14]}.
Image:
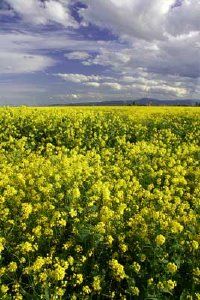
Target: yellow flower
{"type": "Point", "coordinates": [79, 278]}
{"type": "Point", "coordinates": [160, 286]}
{"type": "Point", "coordinates": [70, 260]}
{"type": "Point", "coordinates": [109, 239]}
{"type": "Point", "coordinates": [76, 193]}
{"type": "Point", "coordinates": [143, 257]}
{"type": "Point", "coordinates": [48, 232]}
{"type": "Point", "coordinates": [18, 297]}
{"type": "Point", "coordinates": [86, 289]}
{"type": "Point", "coordinates": [136, 267]}
{"type": "Point", "coordinates": [12, 267]}
{"type": "Point", "coordinates": [62, 223]}
{"type": "Point", "coordinates": [26, 247]}
{"type": "Point", "coordinates": [26, 210]}
{"type": "Point", "coordinates": [4, 288]}
{"type": "Point", "coordinates": [170, 284]}
{"type": "Point", "coordinates": [96, 283]}
{"type": "Point", "coordinates": [176, 227]}
{"type": "Point", "coordinates": [2, 242]}
{"type": "Point", "coordinates": [195, 245]}
{"type": "Point", "coordinates": [135, 291]}
{"type": "Point", "coordinates": [172, 268]}
{"type": "Point", "coordinates": [78, 249]}
{"type": "Point", "coordinates": [197, 295]}
{"type": "Point", "coordinates": [2, 271]}
{"type": "Point", "coordinates": [118, 269]}
{"type": "Point", "coordinates": [100, 227]}
{"type": "Point", "coordinates": [38, 264]}
{"type": "Point", "coordinates": [150, 281]}
{"type": "Point", "coordinates": [43, 276]}
{"type": "Point", "coordinates": [160, 240]}
{"type": "Point", "coordinates": [67, 245]}
{"type": "Point", "coordinates": [37, 230]}
{"type": "Point", "coordinates": [58, 273]}
{"type": "Point", "coordinates": [73, 213]}
{"type": "Point", "coordinates": [60, 292]}
{"type": "Point", "coordinates": [123, 247]}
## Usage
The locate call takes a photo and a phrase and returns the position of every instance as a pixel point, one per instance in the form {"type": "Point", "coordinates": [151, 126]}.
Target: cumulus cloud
{"type": "Point", "coordinates": [139, 82]}
{"type": "Point", "coordinates": [178, 55]}
{"type": "Point", "coordinates": [78, 78]}
{"type": "Point", "coordinates": [156, 52]}
{"type": "Point", "coordinates": [134, 18]}
{"type": "Point", "coordinates": [166, 90]}
{"type": "Point", "coordinates": [160, 85]}
{"type": "Point", "coordinates": [108, 57]}
{"type": "Point", "coordinates": [22, 52]}
{"type": "Point", "coordinates": [91, 80]}
{"type": "Point", "coordinates": [93, 84]}
{"type": "Point", "coordinates": [146, 19]}
{"type": "Point", "coordinates": [43, 12]}
{"type": "Point", "coordinates": [112, 85]}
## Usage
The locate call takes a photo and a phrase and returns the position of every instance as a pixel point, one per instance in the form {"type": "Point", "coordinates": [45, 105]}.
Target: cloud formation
{"type": "Point", "coordinates": [78, 78]}
{"type": "Point", "coordinates": [15, 63]}
{"type": "Point", "coordinates": [147, 19]}
{"type": "Point", "coordinates": [144, 19]}
{"type": "Point", "coordinates": [43, 12]}
{"type": "Point", "coordinates": [77, 55]}
{"type": "Point", "coordinates": [117, 49]}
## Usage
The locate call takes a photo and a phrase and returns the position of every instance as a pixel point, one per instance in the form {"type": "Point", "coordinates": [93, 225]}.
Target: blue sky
{"type": "Point", "coordinates": [63, 51]}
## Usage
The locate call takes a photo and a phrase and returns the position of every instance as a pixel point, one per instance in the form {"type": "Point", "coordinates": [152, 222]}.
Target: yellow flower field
{"type": "Point", "coordinates": [99, 203]}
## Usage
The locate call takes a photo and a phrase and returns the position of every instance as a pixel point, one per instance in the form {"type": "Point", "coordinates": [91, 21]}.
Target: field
{"type": "Point", "coordinates": [99, 203]}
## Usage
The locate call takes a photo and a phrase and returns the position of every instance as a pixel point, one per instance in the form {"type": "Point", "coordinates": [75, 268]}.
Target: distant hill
{"type": "Point", "coordinates": [142, 101]}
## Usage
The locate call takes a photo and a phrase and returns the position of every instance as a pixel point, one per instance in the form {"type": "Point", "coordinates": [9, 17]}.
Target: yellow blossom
{"type": "Point", "coordinates": [172, 268]}
{"type": "Point", "coordinates": [4, 288]}
{"type": "Point", "coordinates": [160, 240]}
{"type": "Point", "coordinates": [118, 269]}
{"type": "Point", "coordinates": [96, 283]}
{"type": "Point", "coordinates": [195, 245]}
{"type": "Point", "coordinates": [12, 267]}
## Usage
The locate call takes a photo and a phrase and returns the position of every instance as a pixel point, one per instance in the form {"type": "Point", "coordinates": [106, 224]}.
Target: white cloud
{"type": "Point", "coordinates": [112, 85]}
{"type": "Point", "coordinates": [108, 57]}
{"type": "Point", "coordinates": [74, 96]}
{"type": "Point", "coordinates": [166, 90]}
{"type": "Point", "coordinates": [14, 63]}
{"type": "Point", "coordinates": [78, 78]}
{"type": "Point", "coordinates": [144, 19]}
{"type": "Point", "coordinates": [178, 55]}
{"type": "Point", "coordinates": [77, 55]}
{"type": "Point", "coordinates": [38, 12]}
{"type": "Point", "coordinates": [184, 18]}
{"type": "Point", "coordinates": [157, 53]}
{"type": "Point", "coordinates": [56, 40]}
{"type": "Point", "coordinates": [139, 82]}
{"type": "Point", "coordinates": [21, 52]}
{"type": "Point", "coordinates": [133, 18]}
{"type": "Point", "coordinates": [93, 84]}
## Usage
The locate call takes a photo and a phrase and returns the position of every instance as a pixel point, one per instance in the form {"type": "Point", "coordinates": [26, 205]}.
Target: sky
{"type": "Point", "coordinates": [67, 51]}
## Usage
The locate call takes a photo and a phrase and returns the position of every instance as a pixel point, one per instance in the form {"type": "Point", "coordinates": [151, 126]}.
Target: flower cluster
{"type": "Point", "coordinates": [99, 203]}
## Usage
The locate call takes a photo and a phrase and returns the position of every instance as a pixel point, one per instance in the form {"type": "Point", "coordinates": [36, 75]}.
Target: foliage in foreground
{"type": "Point", "coordinates": [99, 203]}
